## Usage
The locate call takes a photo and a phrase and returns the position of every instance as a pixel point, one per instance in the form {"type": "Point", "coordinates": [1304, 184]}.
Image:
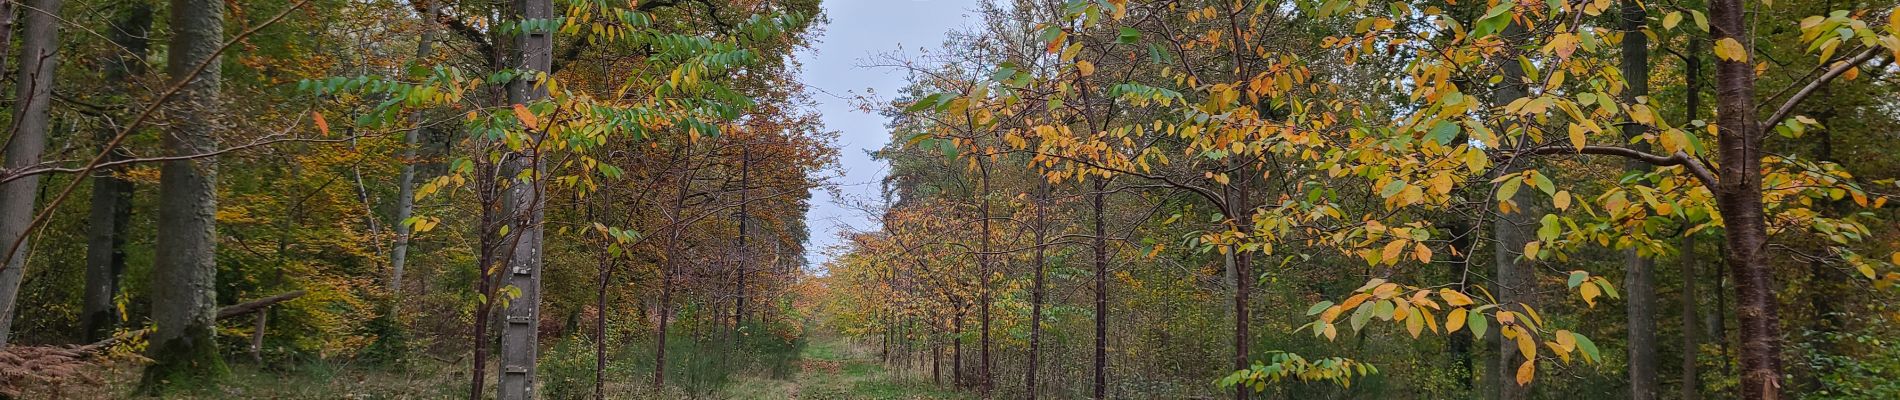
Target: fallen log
{"type": "Point", "coordinates": [253, 305]}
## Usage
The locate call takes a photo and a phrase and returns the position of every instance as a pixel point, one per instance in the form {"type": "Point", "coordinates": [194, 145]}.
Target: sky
{"type": "Point", "coordinates": [835, 73]}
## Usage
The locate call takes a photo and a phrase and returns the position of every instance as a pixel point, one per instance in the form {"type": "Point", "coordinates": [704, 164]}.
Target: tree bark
{"type": "Point", "coordinates": [184, 272]}
{"type": "Point", "coordinates": [1240, 210]}
{"type": "Point", "coordinates": [1691, 387]}
{"type": "Point", "coordinates": [983, 282]}
{"type": "Point", "coordinates": [406, 180]}
{"type": "Point", "coordinates": [1739, 198]}
{"type": "Point", "coordinates": [39, 57]}
{"type": "Point", "coordinates": [1099, 245]}
{"type": "Point", "coordinates": [1515, 280]}
{"type": "Point", "coordinates": [1036, 289]}
{"type": "Point", "coordinates": [668, 263]}
{"type": "Point", "coordinates": [111, 205]}
{"type": "Point", "coordinates": [525, 201]}
{"type": "Point", "coordinates": [745, 255]}
{"type": "Point", "coordinates": [1639, 270]}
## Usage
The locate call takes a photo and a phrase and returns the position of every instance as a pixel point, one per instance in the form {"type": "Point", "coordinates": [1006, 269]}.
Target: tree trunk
{"type": "Point", "coordinates": [956, 350]}
{"type": "Point", "coordinates": [39, 56]}
{"type": "Point", "coordinates": [1240, 210]}
{"type": "Point", "coordinates": [524, 202]}
{"type": "Point", "coordinates": [1036, 289]}
{"type": "Point", "coordinates": [1639, 271]}
{"type": "Point", "coordinates": [111, 205]}
{"type": "Point", "coordinates": [667, 264]}
{"type": "Point", "coordinates": [1100, 246]}
{"type": "Point", "coordinates": [406, 180]}
{"type": "Point", "coordinates": [745, 255]}
{"type": "Point", "coordinates": [1739, 198]}
{"type": "Point", "coordinates": [1515, 280]}
{"type": "Point", "coordinates": [184, 273]}
{"type": "Point", "coordinates": [1691, 388]}
{"type": "Point", "coordinates": [983, 282]}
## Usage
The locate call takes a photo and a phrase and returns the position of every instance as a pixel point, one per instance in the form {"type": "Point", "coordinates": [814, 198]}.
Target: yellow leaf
{"type": "Point", "coordinates": [1590, 293]}
{"type": "Point", "coordinates": [526, 117]}
{"type": "Point", "coordinates": [1455, 299]}
{"type": "Point", "coordinates": [1525, 372]}
{"type": "Point", "coordinates": [1670, 21]}
{"type": "Point", "coordinates": [1526, 346]}
{"type": "Point", "coordinates": [1730, 49]}
{"type": "Point", "coordinates": [1085, 68]}
{"type": "Point", "coordinates": [1392, 250]}
{"type": "Point", "coordinates": [1385, 291]}
{"type": "Point", "coordinates": [1455, 320]}
{"type": "Point", "coordinates": [1561, 200]}
{"type": "Point", "coordinates": [1577, 139]}
{"type": "Point", "coordinates": [1530, 249]}
{"type": "Point", "coordinates": [1415, 326]}
{"type": "Point", "coordinates": [1566, 340]}
{"type": "Point", "coordinates": [1424, 254]}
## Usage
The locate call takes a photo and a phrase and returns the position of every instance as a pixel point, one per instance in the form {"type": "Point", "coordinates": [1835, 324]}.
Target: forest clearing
{"type": "Point", "coordinates": [949, 199]}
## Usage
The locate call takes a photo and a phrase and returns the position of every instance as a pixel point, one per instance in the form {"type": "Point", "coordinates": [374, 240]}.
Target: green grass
{"type": "Point", "coordinates": [834, 369]}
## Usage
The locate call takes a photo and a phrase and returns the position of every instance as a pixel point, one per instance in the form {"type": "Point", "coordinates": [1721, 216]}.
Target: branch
{"type": "Point", "coordinates": [578, 45]}
{"type": "Point", "coordinates": [182, 81]}
{"type": "Point", "coordinates": [461, 29]}
{"type": "Point", "coordinates": [1695, 167]}
{"type": "Point", "coordinates": [1816, 84]}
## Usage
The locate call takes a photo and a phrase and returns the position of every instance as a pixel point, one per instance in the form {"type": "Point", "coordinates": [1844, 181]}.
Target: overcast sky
{"type": "Point", "coordinates": [834, 71]}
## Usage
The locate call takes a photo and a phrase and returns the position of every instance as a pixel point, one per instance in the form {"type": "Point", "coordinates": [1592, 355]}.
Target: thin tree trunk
{"type": "Point", "coordinates": [1639, 270]}
{"type": "Point", "coordinates": [111, 205]}
{"type": "Point", "coordinates": [983, 282]}
{"type": "Point", "coordinates": [1036, 289]}
{"type": "Point", "coordinates": [745, 255]}
{"type": "Point", "coordinates": [667, 264]}
{"type": "Point", "coordinates": [185, 267]}
{"type": "Point", "coordinates": [406, 180]}
{"type": "Point", "coordinates": [525, 200]}
{"type": "Point", "coordinates": [485, 282]}
{"type": "Point", "coordinates": [1241, 211]}
{"type": "Point", "coordinates": [956, 349]}
{"type": "Point", "coordinates": [39, 57]}
{"type": "Point", "coordinates": [1691, 386]}
{"type": "Point", "coordinates": [1100, 247]}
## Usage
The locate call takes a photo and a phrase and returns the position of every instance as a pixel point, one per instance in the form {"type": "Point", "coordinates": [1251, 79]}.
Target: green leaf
{"type": "Point", "coordinates": [925, 103]}
{"type": "Point", "coordinates": [1509, 188]}
{"type": "Point", "coordinates": [1576, 278]}
{"type": "Point", "coordinates": [1361, 315]}
{"type": "Point", "coordinates": [1442, 132]}
{"type": "Point", "coordinates": [1320, 307]}
{"type": "Point", "coordinates": [1494, 20]}
{"type": "Point", "coordinates": [1548, 228]}
{"type": "Point", "coordinates": [1392, 189]}
{"type": "Point", "coordinates": [1588, 347]}
{"type": "Point", "coordinates": [1383, 309]}
{"type": "Point", "coordinates": [1128, 35]}
{"type": "Point", "coordinates": [1475, 321]}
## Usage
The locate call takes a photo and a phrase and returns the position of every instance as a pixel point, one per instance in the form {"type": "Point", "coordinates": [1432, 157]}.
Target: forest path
{"type": "Point", "coordinates": [833, 368]}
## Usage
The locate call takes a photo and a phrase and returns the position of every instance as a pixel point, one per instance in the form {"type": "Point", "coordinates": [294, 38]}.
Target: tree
{"type": "Point", "coordinates": [111, 205]}
{"type": "Point", "coordinates": [39, 51]}
{"type": "Point", "coordinates": [184, 345]}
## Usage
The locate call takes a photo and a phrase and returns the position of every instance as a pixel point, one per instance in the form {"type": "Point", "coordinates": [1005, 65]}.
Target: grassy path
{"type": "Point", "coordinates": [832, 369]}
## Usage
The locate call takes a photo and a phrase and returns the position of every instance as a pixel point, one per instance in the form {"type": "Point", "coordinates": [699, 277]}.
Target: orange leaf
{"type": "Point", "coordinates": [1524, 373]}
{"type": "Point", "coordinates": [322, 126]}
{"type": "Point", "coordinates": [526, 117]}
